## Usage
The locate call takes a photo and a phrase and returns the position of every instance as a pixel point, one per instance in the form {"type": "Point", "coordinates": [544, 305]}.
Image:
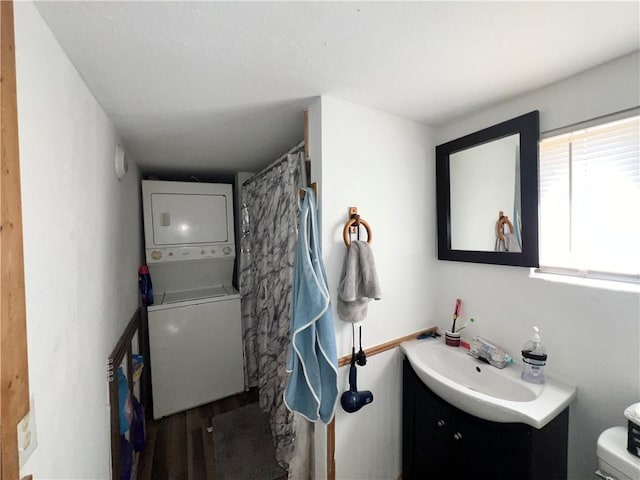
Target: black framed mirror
{"type": "Point", "coordinates": [487, 194]}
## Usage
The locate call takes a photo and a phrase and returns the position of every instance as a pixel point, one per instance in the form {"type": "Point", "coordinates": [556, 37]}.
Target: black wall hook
{"type": "Point", "coordinates": [361, 357]}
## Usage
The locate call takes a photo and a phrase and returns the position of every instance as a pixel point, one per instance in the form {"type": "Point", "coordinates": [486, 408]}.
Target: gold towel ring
{"type": "Point", "coordinates": [351, 223]}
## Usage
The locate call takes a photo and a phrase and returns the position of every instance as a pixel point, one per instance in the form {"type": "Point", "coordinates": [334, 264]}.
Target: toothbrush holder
{"type": "Point", "coordinates": [452, 339]}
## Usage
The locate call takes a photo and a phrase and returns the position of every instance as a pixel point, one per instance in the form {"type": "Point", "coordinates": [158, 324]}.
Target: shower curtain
{"type": "Point", "coordinates": [270, 216]}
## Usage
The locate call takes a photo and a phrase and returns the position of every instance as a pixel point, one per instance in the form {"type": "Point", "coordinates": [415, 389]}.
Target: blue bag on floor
{"type": "Point", "coordinates": [126, 458]}
{"type": "Point", "coordinates": [137, 426]}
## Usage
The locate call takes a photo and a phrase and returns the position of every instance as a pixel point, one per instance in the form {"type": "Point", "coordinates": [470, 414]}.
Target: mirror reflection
{"type": "Point", "coordinates": [485, 196]}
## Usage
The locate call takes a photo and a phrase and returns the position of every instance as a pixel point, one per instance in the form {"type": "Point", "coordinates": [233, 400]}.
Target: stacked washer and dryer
{"type": "Point", "coordinates": [195, 333]}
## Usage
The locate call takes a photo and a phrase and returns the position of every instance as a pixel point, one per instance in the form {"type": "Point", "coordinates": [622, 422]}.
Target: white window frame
{"type": "Point", "coordinates": [611, 280]}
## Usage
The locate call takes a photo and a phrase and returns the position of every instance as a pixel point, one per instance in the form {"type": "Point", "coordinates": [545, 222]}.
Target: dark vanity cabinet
{"type": "Point", "coordinates": [441, 442]}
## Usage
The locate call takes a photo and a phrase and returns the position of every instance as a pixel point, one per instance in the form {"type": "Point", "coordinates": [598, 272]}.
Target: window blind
{"type": "Point", "coordinates": [589, 186]}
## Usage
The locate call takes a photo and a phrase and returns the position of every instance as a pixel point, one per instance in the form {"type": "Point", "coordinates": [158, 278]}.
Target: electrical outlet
{"type": "Point", "coordinates": [27, 440]}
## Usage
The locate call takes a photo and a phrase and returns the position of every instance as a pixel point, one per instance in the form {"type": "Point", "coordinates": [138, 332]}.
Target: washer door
{"type": "Point", "coordinates": [196, 355]}
{"type": "Point", "coordinates": [188, 219]}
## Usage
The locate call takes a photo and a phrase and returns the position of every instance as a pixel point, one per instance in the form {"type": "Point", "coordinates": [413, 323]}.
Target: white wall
{"type": "Point", "coordinates": [383, 165]}
{"type": "Point", "coordinates": [592, 335]}
{"type": "Point", "coordinates": [81, 252]}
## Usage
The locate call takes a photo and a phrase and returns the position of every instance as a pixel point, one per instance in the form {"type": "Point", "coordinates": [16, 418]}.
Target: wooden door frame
{"type": "Point", "coordinates": [14, 371]}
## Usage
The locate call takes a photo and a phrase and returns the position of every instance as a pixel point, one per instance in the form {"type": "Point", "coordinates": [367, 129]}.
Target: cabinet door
{"type": "Point", "coordinates": [488, 450]}
{"type": "Point", "coordinates": [426, 419]}
{"type": "Point", "coordinates": [408, 425]}
{"type": "Point", "coordinates": [432, 443]}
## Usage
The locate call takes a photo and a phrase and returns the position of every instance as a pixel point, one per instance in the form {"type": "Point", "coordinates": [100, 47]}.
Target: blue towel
{"type": "Point", "coordinates": [312, 386]}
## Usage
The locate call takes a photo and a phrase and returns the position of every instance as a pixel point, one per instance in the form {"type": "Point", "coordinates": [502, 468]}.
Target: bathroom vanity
{"type": "Point", "coordinates": [440, 441]}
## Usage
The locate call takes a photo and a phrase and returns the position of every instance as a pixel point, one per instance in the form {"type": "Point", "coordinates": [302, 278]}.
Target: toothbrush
{"type": "Point", "coordinates": [456, 313]}
{"type": "Point", "coordinates": [466, 323]}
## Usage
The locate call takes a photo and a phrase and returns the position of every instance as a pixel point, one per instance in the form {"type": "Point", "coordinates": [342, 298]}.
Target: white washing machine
{"type": "Point", "coordinates": [195, 331]}
{"type": "Point", "coordinates": [196, 351]}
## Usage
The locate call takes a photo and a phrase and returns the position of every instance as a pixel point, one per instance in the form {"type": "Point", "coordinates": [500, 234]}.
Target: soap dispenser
{"type": "Point", "coordinates": [534, 356]}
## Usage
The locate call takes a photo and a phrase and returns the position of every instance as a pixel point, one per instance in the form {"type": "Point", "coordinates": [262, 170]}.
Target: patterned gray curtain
{"type": "Point", "coordinates": [270, 217]}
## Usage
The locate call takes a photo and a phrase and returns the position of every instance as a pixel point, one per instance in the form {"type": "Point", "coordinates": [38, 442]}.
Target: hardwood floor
{"type": "Point", "coordinates": [179, 447]}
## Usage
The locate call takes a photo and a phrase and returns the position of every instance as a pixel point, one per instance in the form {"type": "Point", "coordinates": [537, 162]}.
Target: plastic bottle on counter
{"type": "Point", "coordinates": [144, 282]}
{"type": "Point", "coordinates": [534, 356]}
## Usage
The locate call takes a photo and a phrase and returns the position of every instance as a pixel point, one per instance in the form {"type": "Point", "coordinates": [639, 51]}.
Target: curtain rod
{"type": "Point", "coordinates": [274, 164]}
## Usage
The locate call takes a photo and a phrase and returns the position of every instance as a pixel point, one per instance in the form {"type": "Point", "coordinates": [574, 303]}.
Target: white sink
{"type": "Point", "coordinates": [499, 395]}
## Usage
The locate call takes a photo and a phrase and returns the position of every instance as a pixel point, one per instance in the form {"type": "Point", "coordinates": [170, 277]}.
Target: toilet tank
{"type": "Point", "coordinates": [613, 458]}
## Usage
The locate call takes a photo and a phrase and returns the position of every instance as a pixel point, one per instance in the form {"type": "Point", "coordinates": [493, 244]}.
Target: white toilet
{"type": "Point", "coordinates": [614, 460]}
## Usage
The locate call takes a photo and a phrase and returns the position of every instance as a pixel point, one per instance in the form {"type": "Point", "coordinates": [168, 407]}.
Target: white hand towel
{"type": "Point", "coordinates": [358, 283]}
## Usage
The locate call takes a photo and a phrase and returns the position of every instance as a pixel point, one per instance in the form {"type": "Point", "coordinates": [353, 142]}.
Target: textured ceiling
{"type": "Point", "coordinates": [221, 86]}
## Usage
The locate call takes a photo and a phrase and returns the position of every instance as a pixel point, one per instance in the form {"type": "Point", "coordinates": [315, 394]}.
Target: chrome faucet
{"type": "Point", "coordinates": [484, 350]}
